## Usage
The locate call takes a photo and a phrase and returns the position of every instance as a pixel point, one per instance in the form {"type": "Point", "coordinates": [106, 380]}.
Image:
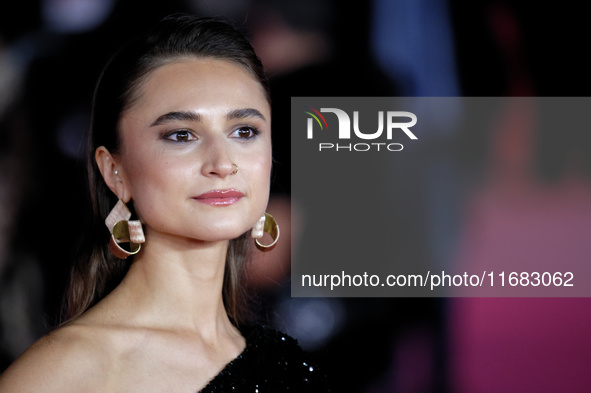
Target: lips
{"type": "Point", "coordinates": [220, 197]}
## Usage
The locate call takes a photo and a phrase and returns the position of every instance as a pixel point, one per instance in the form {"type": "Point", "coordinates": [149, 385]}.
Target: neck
{"type": "Point", "coordinates": [176, 284]}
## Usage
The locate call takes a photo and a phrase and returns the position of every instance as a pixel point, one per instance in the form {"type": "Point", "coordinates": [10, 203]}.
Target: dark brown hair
{"type": "Point", "coordinates": [96, 272]}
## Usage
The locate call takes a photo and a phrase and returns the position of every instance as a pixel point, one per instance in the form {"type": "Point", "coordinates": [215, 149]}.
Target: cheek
{"type": "Point", "coordinates": [260, 165]}
{"type": "Point", "coordinates": [261, 179]}
{"type": "Point", "coordinates": [154, 179]}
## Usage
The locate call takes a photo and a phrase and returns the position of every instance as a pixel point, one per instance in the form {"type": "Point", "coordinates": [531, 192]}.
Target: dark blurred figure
{"type": "Point", "coordinates": [528, 199]}
{"type": "Point", "coordinates": [21, 283]}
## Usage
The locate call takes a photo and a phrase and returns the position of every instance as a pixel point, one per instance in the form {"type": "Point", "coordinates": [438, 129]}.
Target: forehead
{"type": "Point", "coordinates": [192, 83]}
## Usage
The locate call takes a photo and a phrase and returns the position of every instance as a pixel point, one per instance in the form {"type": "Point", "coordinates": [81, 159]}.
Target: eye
{"type": "Point", "coordinates": [245, 132]}
{"type": "Point", "coordinates": [180, 136]}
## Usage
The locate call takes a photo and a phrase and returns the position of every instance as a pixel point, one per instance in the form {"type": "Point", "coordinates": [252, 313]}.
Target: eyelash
{"type": "Point", "coordinates": [171, 136]}
{"type": "Point", "coordinates": [253, 132]}
{"type": "Point", "coordinates": [174, 135]}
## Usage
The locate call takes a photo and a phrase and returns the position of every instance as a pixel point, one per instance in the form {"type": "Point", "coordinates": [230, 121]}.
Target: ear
{"type": "Point", "coordinates": [112, 173]}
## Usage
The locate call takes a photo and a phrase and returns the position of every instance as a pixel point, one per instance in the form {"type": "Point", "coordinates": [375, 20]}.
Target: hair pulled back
{"type": "Point", "coordinates": [96, 272]}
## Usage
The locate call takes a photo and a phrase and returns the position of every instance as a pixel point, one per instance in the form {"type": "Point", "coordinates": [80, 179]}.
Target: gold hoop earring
{"type": "Point", "coordinates": [124, 231]}
{"type": "Point", "coordinates": [266, 224]}
{"type": "Point", "coordinates": [235, 171]}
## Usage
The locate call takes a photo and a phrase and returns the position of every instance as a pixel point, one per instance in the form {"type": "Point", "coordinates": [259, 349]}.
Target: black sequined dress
{"type": "Point", "coordinates": [271, 362]}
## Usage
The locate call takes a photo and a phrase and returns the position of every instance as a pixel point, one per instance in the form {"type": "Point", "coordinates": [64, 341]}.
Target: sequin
{"type": "Point", "coordinates": [269, 363]}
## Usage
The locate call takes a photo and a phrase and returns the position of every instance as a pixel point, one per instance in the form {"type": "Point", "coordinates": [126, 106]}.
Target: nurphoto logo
{"type": "Point", "coordinates": [396, 122]}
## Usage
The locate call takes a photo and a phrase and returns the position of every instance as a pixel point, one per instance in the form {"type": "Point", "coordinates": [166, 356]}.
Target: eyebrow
{"type": "Point", "coordinates": [244, 113]}
{"type": "Point", "coordinates": [176, 116]}
{"type": "Point", "coordinates": [193, 116]}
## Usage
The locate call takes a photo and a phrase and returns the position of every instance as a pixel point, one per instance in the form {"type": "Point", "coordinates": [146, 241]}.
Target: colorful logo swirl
{"type": "Point", "coordinates": [315, 116]}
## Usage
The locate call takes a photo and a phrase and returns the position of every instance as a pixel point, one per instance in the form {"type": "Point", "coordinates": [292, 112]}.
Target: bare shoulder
{"type": "Point", "coordinates": [58, 362]}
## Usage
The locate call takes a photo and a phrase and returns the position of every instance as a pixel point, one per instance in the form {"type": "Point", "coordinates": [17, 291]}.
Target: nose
{"type": "Point", "coordinates": [217, 159]}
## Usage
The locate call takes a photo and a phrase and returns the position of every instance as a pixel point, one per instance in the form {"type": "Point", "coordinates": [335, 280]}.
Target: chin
{"type": "Point", "coordinates": [221, 234]}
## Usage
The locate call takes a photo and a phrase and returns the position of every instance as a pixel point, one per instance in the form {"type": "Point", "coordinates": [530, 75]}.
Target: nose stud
{"type": "Point", "coordinates": [235, 171]}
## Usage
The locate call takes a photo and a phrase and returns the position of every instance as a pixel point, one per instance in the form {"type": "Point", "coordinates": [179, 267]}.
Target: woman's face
{"type": "Point", "coordinates": [196, 150]}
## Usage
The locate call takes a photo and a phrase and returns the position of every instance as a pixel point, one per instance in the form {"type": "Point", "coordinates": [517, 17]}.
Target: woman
{"type": "Point", "coordinates": [181, 135]}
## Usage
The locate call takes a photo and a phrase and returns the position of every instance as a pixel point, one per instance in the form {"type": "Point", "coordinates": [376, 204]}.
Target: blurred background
{"type": "Point", "coordinates": [512, 191]}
